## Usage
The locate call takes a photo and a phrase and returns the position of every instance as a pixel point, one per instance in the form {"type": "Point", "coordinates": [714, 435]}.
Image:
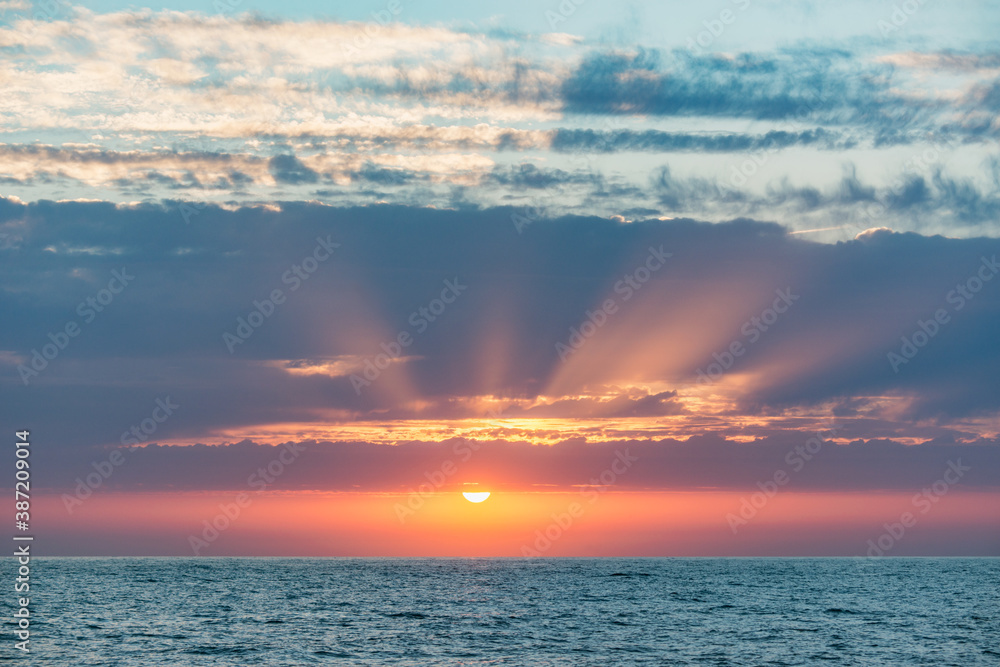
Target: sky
{"type": "Point", "coordinates": [663, 278]}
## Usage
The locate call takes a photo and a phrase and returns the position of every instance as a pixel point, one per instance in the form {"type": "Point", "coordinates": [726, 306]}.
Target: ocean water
{"type": "Point", "coordinates": [283, 611]}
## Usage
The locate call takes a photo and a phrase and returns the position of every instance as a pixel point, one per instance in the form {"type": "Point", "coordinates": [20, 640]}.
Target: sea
{"type": "Point", "coordinates": [609, 611]}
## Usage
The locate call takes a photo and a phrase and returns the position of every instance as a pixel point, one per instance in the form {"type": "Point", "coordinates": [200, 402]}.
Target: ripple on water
{"type": "Point", "coordinates": [484, 612]}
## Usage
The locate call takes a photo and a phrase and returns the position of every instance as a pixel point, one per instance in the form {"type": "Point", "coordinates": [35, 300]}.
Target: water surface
{"type": "Point", "coordinates": [277, 611]}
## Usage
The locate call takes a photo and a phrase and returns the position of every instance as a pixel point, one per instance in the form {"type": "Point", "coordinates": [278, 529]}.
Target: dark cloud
{"type": "Point", "coordinates": [835, 88]}
{"type": "Point", "coordinates": [644, 405]}
{"type": "Point", "coordinates": [699, 462]}
{"type": "Point", "coordinates": [910, 198]}
{"type": "Point", "coordinates": [986, 96]}
{"type": "Point", "coordinates": [199, 268]}
{"type": "Point", "coordinates": [104, 156]}
{"type": "Point", "coordinates": [375, 174]}
{"type": "Point", "coordinates": [569, 140]}
{"type": "Point", "coordinates": [530, 176]}
{"type": "Point", "coordinates": [289, 169]}
{"type": "Point", "coordinates": [802, 84]}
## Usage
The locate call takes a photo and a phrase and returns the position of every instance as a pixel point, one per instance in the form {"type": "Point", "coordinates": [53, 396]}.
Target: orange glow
{"type": "Point", "coordinates": [536, 430]}
{"type": "Point", "coordinates": [525, 523]}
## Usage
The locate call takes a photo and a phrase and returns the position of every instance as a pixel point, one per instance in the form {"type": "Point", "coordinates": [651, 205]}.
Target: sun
{"type": "Point", "coordinates": [476, 496]}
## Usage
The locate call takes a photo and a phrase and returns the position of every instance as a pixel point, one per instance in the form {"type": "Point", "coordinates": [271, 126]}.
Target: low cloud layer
{"type": "Point", "coordinates": [809, 462]}
{"type": "Point", "coordinates": [385, 325]}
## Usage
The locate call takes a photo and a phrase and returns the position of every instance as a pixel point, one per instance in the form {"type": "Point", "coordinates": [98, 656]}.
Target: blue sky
{"type": "Point", "coordinates": [833, 116]}
{"type": "Point", "coordinates": [758, 24]}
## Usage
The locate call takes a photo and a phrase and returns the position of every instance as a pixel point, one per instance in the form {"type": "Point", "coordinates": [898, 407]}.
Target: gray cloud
{"type": "Point", "coordinates": [696, 463]}
{"type": "Point", "coordinates": [163, 334]}
{"type": "Point", "coordinates": [289, 169]}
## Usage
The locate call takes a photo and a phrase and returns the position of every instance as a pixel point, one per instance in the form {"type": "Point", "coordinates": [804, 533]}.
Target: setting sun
{"type": "Point", "coordinates": [476, 496]}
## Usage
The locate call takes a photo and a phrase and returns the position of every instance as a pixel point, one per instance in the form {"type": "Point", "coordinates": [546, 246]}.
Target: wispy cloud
{"type": "Point", "coordinates": [250, 109]}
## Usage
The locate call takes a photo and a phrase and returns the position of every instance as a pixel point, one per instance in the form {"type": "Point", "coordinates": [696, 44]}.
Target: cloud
{"type": "Point", "coordinates": [496, 346]}
{"type": "Point", "coordinates": [289, 169]}
{"type": "Point", "coordinates": [800, 85]}
{"type": "Point", "coordinates": [697, 463]}
{"type": "Point", "coordinates": [913, 199]}
{"type": "Point", "coordinates": [652, 140]}
{"type": "Point", "coordinates": [530, 176]}
{"type": "Point", "coordinates": [233, 108]}
{"type": "Point", "coordinates": [944, 60]}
